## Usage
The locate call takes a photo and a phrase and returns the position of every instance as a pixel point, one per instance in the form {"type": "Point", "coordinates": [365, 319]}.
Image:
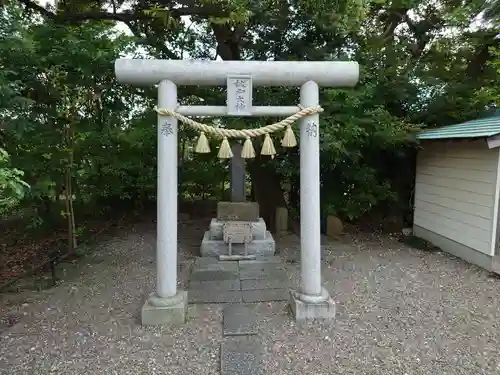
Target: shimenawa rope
{"type": "Point", "coordinates": [248, 150]}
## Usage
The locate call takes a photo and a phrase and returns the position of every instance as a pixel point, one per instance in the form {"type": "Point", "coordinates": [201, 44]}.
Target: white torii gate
{"type": "Point", "coordinates": [168, 304]}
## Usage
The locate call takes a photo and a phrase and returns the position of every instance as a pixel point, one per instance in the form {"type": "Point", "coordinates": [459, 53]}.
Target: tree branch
{"type": "Point", "coordinates": [34, 6]}
{"type": "Point", "coordinates": [228, 42]}
{"type": "Point", "coordinates": [150, 41]}
{"type": "Point", "coordinates": [124, 16]}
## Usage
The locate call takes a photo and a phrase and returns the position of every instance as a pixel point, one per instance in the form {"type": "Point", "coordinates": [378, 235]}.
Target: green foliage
{"type": "Point", "coordinates": [62, 113]}
{"type": "Point", "coordinates": [203, 177]}
{"type": "Point", "coordinates": [12, 186]}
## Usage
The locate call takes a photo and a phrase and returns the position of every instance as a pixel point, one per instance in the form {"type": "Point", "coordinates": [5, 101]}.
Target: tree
{"type": "Point", "coordinates": [492, 10]}
{"type": "Point", "coordinates": [414, 57]}
{"type": "Point", "coordinates": [66, 92]}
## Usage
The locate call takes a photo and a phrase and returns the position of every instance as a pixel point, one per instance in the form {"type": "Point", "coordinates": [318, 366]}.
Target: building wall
{"type": "Point", "coordinates": [455, 192]}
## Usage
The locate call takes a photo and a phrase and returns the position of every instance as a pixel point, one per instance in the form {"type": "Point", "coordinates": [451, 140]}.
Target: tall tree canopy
{"type": "Point", "coordinates": [73, 130]}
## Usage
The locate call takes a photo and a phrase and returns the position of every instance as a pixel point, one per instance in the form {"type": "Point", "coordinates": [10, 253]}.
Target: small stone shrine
{"type": "Point", "coordinates": [262, 241]}
{"type": "Point", "coordinates": [215, 242]}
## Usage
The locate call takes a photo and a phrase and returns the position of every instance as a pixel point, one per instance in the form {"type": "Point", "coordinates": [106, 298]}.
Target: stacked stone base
{"type": "Point", "coordinates": [213, 244]}
{"type": "Point", "coordinates": [305, 308]}
{"type": "Point", "coordinates": [165, 311]}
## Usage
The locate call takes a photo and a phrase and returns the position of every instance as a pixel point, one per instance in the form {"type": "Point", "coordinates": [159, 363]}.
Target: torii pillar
{"type": "Point", "coordinates": [168, 304]}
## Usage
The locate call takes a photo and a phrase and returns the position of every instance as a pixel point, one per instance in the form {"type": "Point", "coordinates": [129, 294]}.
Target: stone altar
{"type": "Point", "coordinates": [238, 210]}
{"type": "Point", "coordinates": [213, 243]}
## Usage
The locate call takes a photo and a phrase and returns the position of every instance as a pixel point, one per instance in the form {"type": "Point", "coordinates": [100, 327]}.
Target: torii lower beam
{"type": "Point", "coordinates": [168, 304]}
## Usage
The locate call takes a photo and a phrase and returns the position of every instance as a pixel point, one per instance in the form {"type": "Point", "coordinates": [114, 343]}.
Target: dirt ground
{"type": "Point", "coordinates": [399, 311]}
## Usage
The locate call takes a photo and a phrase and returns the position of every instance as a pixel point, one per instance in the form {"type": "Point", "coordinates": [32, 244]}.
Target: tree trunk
{"type": "Point", "coordinates": [267, 190]}
{"type": "Point", "coordinates": [70, 215]}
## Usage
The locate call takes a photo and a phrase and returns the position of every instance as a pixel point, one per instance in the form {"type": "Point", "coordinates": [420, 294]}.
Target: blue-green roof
{"type": "Point", "coordinates": [485, 127]}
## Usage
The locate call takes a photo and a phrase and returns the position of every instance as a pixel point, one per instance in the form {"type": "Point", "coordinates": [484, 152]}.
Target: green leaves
{"type": "Point", "coordinates": [12, 186]}
{"type": "Point", "coordinates": [421, 65]}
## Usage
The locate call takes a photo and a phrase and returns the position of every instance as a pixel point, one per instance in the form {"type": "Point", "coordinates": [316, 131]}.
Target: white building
{"type": "Point", "coordinates": [457, 190]}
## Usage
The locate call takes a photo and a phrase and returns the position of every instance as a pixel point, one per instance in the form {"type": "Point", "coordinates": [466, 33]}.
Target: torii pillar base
{"type": "Point", "coordinates": [306, 308]}
{"type": "Point", "coordinates": [165, 311]}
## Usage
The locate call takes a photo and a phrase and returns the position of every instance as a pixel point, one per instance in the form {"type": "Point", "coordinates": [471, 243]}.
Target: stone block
{"type": "Point", "coordinates": [214, 296]}
{"type": "Point", "coordinates": [306, 311]}
{"type": "Point", "coordinates": [209, 286]}
{"type": "Point", "coordinates": [167, 315]}
{"type": "Point", "coordinates": [236, 257]}
{"type": "Point", "coordinates": [264, 295]}
{"type": "Point", "coordinates": [240, 319]}
{"type": "Point", "coordinates": [213, 275]}
{"type": "Point", "coordinates": [257, 284]}
{"type": "Point", "coordinates": [260, 266]}
{"type": "Point", "coordinates": [334, 226]}
{"type": "Point", "coordinates": [281, 220]}
{"type": "Point", "coordinates": [229, 266]}
{"type": "Point", "coordinates": [262, 260]}
{"type": "Point", "coordinates": [260, 273]}
{"type": "Point", "coordinates": [259, 229]}
{"type": "Point", "coordinates": [238, 211]}
{"type": "Point", "coordinates": [238, 178]}
{"type": "Point", "coordinates": [242, 356]}
{"type": "Point", "coordinates": [214, 248]}
{"type": "Point", "coordinates": [202, 262]}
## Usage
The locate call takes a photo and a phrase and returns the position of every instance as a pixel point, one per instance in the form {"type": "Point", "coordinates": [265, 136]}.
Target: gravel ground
{"type": "Point", "coordinates": [400, 311]}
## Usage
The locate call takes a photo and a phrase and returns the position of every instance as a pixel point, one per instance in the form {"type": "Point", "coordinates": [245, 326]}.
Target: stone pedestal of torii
{"type": "Point", "coordinates": [168, 304]}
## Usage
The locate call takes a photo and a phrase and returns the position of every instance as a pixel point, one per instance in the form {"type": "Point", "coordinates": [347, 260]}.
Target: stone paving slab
{"type": "Point", "coordinates": [215, 296]}
{"type": "Point", "coordinates": [203, 261]}
{"type": "Point", "coordinates": [262, 260]}
{"type": "Point", "coordinates": [213, 275]}
{"type": "Point", "coordinates": [219, 285]}
{"type": "Point", "coordinates": [261, 266]}
{"type": "Point", "coordinates": [240, 319]}
{"type": "Point", "coordinates": [257, 284]}
{"type": "Point", "coordinates": [242, 356]}
{"type": "Point", "coordinates": [246, 274]}
{"type": "Point", "coordinates": [265, 295]}
{"type": "Point", "coordinates": [229, 266]}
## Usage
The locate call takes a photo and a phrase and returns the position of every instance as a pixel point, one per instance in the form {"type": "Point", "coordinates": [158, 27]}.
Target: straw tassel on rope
{"type": "Point", "coordinates": [289, 138]}
{"type": "Point", "coordinates": [202, 147]}
{"type": "Point", "coordinates": [233, 133]}
{"type": "Point", "coordinates": [268, 146]}
{"type": "Point", "coordinates": [248, 152]}
{"type": "Point", "coordinates": [225, 150]}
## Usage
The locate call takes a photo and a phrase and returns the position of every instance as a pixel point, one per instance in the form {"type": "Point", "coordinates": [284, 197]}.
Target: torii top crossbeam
{"type": "Point", "coordinates": [214, 73]}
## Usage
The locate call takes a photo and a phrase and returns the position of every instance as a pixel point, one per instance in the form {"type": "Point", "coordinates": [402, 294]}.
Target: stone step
{"type": "Point", "coordinates": [230, 266]}
{"type": "Point", "coordinates": [219, 285]}
{"type": "Point", "coordinates": [213, 275]}
{"type": "Point", "coordinates": [258, 284]}
{"type": "Point", "coordinates": [214, 296]}
{"type": "Point", "coordinates": [226, 258]}
{"type": "Point", "coordinates": [262, 259]}
{"type": "Point", "coordinates": [259, 273]}
{"type": "Point", "coordinates": [203, 261]}
{"type": "Point", "coordinates": [265, 295]}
